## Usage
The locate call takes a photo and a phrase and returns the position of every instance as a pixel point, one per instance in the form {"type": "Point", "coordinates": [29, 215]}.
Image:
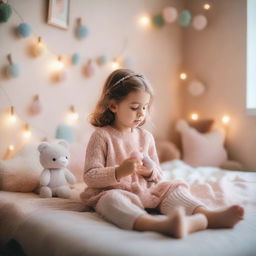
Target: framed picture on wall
{"type": "Point", "coordinates": [58, 13]}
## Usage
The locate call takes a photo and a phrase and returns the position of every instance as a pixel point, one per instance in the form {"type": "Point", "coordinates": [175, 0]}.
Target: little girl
{"type": "Point", "coordinates": [120, 187]}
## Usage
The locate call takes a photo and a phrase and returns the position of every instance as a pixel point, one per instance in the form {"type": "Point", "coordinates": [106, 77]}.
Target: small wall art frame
{"type": "Point", "coordinates": [58, 13]}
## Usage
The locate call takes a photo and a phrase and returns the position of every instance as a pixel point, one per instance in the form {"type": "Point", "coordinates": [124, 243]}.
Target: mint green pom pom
{"type": "Point", "coordinates": [185, 18]}
{"type": "Point", "coordinates": [65, 132]}
{"type": "Point", "coordinates": [76, 59]}
{"type": "Point", "coordinates": [13, 70]}
{"type": "Point", "coordinates": [5, 12]}
{"type": "Point", "coordinates": [158, 20]}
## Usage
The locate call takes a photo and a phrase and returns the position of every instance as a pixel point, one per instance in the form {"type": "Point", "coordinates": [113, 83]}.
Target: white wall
{"type": "Point", "coordinates": [157, 53]}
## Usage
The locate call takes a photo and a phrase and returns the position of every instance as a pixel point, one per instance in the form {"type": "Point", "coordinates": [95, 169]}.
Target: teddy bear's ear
{"type": "Point", "coordinates": [63, 143]}
{"type": "Point", "coordinates": [42, 146]}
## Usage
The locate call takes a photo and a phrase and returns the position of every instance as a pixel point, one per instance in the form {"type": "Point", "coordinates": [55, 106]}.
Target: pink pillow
{"type": "Point", "coordinates": [202, 149]}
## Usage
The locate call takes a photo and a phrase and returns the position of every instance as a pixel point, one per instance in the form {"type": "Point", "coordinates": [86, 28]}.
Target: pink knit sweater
{"type": "Point", "coordinates": [106, 150]}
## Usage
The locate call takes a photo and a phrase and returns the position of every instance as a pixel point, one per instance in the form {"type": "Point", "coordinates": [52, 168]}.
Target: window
{"type": "Point", "coordinates": [251, 58]}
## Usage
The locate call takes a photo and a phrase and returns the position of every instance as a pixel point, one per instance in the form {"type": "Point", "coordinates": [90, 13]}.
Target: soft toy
{"type": "Point", "coordinates": [55, 177]}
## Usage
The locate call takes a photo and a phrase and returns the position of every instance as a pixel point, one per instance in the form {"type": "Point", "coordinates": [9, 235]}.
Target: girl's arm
{"type": "Point", "coordinates": [96, 175]}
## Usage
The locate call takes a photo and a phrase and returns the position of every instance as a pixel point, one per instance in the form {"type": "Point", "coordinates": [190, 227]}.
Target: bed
{"type": "Point", "coordinates": [35, 226]}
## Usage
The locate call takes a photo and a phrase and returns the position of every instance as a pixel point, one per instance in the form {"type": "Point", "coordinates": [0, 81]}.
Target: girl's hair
{"type": "Point", "coordinates": [117, 86]}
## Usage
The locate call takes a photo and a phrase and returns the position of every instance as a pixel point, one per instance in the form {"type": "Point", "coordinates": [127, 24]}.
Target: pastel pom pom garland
{"type": "Point", "coordinates": [199, 22]}
{"type": "Point", "coordinates": [158, 20]}
{"type": "Point", "coordinates": [24, 29]}
{"type": "Point", "coordinates": [81, 30]}
{"type": "Point", "coordinates": [5, 12]}
{"type": "Point", "coordinates": [185, 18]}
{"type": "Point", "coordinates": [13, 69]}
{"type": "Point", "coordinates": [170, 14]}
{"type": "Point", "coordinates": [76, 59]}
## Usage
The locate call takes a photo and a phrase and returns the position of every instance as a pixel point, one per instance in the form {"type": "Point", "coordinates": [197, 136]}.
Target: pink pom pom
{"type": "Point", "coordinates": [148, 162]}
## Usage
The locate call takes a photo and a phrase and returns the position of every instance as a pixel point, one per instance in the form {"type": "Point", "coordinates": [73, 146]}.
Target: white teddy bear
{"type": "Point", "coordinates": [55, 177]}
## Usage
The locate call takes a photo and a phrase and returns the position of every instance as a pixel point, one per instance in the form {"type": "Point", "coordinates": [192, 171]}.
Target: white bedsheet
{"type": "Point", "coordinates": [59, 231]}
{"type": "Point", "coordinates": [215, 187]}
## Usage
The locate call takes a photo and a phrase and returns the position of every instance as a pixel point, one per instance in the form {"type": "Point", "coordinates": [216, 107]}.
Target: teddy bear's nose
{"type": "Point", "coordinates": [63, 160]}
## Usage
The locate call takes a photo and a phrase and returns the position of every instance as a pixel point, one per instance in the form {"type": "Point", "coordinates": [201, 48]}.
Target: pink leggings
{"type": "Point", "coordinates": [117, 208]}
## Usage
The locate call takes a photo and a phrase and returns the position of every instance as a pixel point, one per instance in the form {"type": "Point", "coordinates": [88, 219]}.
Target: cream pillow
{"type": "Point", "coordinates": [201, 149]}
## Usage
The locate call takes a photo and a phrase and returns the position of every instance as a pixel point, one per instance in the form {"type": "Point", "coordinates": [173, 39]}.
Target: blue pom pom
{"type": "Point", "coordinates": [24, 29]}
{"type": "Point", "coordinates": [185, 18]}
{"type": "Point", "coordinates": [76, 59]}
{"type": "Point", "coordinates": [82, 31]}
{"type": "Point", "coordinates": [13, 70]}
{"type": "Point", "coordinates": [65, 132]}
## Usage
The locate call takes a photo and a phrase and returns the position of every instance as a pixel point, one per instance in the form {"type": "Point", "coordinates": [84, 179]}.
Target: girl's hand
{"type": "Point", "coordinates": [143, 171]}
{"type": "Point", "coordinates": [127, 167]}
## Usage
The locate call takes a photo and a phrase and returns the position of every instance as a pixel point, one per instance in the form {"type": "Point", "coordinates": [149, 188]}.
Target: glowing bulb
{"type": "Point", "coordinates": [72, 115]}
{"type": "Point", "coordinates": [144, 20]}
{"type": "Point", "coordinates": [12, 117]}
{"type": "Point", "coordinates": [26, 132]}
{"type": "Point", "coordinates": [58, 65]}
{"type": "Point", "coordinates": [115, 64]}
{"type": "Point", "coordinates": [183, 76]}
{"type": "Point", "coordinates": [207, 6]}
{"type": "Point", "coordinates": [225, 119]}
{"type": "Point", "coordinates": [194, 116]}
{"type": "Point", "coordinates": [39, 48]}
{"type": "Point", "coordinates": [11, 147]}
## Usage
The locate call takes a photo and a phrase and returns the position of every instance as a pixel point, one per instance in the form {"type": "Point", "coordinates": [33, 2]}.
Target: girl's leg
{"type": "Point", "coordinates": [180, 197]}
{"type": "Point", "coordinates": [226, 218]}
{"type": "Point", "coordinates": [120, 210]}
{"type": "Point", "coordinates": [177, 224]}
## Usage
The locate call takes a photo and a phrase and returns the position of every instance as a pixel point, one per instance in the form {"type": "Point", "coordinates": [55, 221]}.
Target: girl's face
{"type": "Point", "coordinates": [131, 111]}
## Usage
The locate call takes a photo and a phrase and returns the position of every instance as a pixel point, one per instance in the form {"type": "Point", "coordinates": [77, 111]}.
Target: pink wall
{"type": "Point", "coordinates": [155, 52]}
{"type": "Point", "coordinates": [217, 57]}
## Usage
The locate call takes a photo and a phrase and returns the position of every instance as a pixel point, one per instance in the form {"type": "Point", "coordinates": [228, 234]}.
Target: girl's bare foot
{"type": "Point", "coordinates": [176, 225]}
{"type": "Point", "coordinates": [179, 225]}
{"type": "Point", "coordinates": [227, 218]}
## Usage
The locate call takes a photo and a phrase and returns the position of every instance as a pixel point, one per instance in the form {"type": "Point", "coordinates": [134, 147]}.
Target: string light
{"type": "Point", "coordinates": [207, 6]}
{"type": "Point", "coordinates": [9, 152]}
{"type": "Point", "coordinates": [26, 131]}
{"type": "Point", "coordinates": [144, 20]}
{"type": "Point", "coordinates": [194, 116]}
{"type": "Point", "coordinates": [11, 147]}
{"type": "Point", "coordinates": [57, 65]}
{"type": "Point", "coordinates": [72, 115]}
{"type": "Point", "coordinates": [115, 64]}
{"type": "Point", "coordinates": [183, 76]}
{"type": "Point", "coordinates": [12, 117]}
{"type": "Point", "coordinates": [225, 119]}
{"type": "Point", "coordinates": [39, 47]}
{"type": "Point", "coordinates": [58, 70]}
